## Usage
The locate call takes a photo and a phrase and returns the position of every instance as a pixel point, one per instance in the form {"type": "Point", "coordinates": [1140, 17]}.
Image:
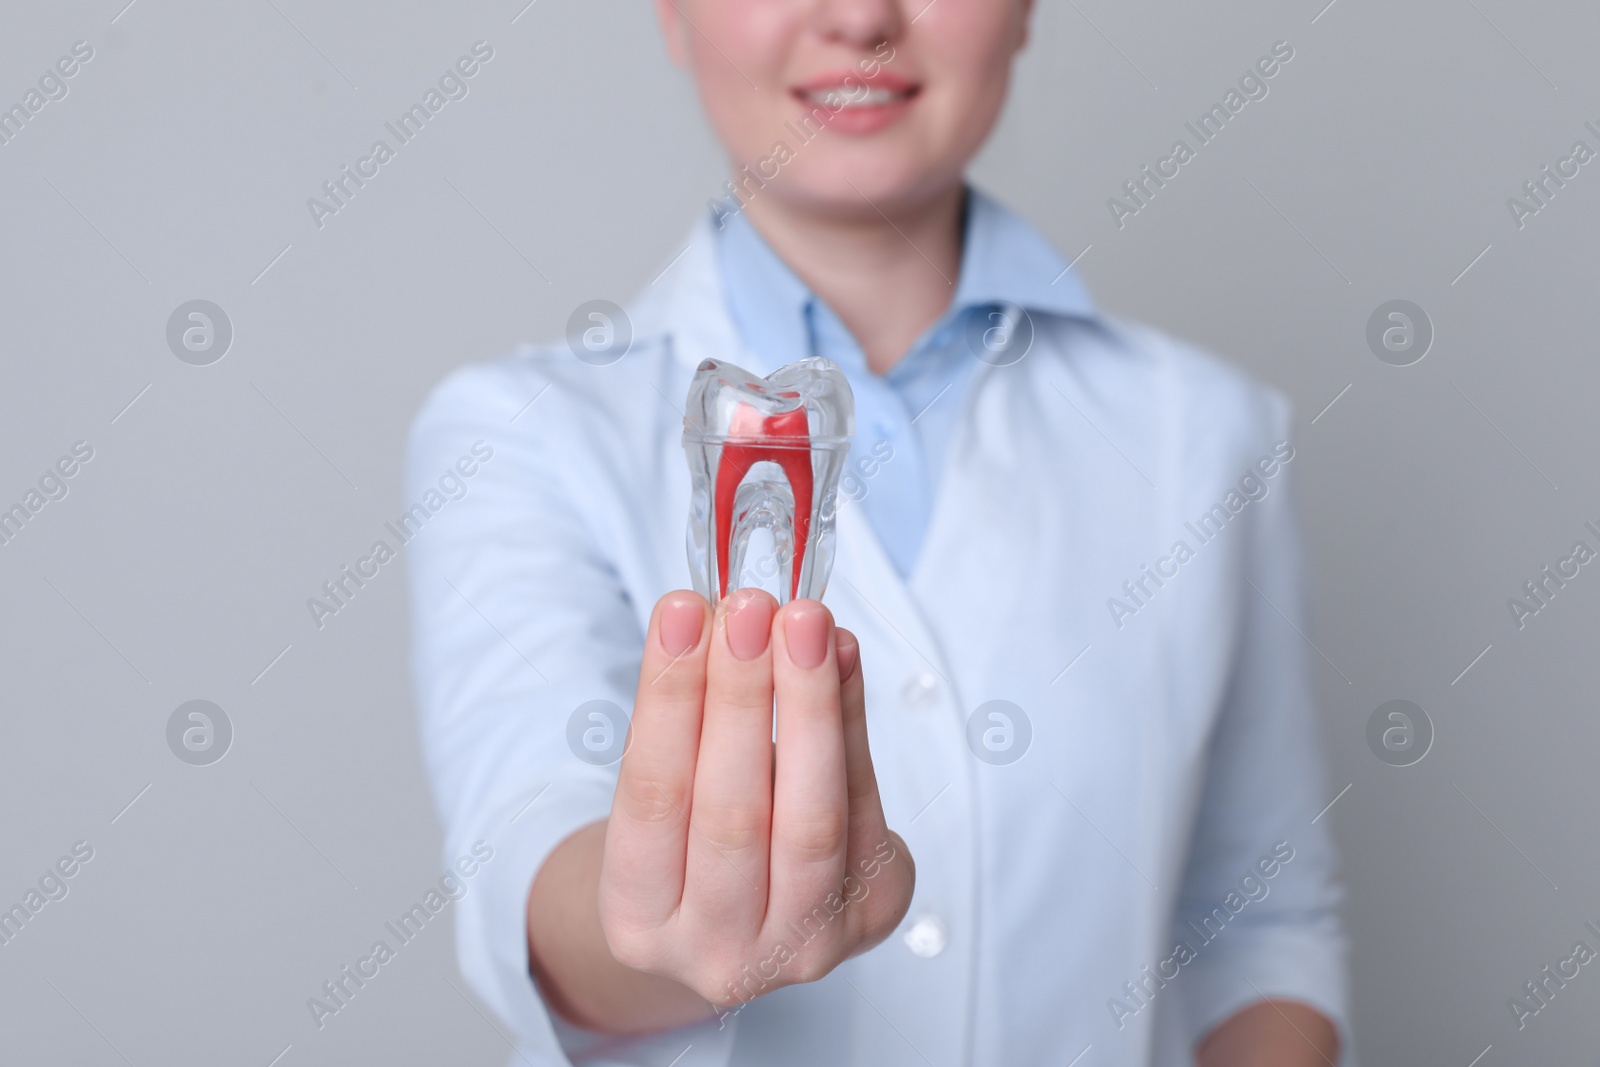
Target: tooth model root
{"type": "Point", "coordinates": [783, 439]}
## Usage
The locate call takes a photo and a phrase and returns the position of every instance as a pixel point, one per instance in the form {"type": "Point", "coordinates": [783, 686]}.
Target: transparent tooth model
{"type": "Point", "coordinates": [765, 455]}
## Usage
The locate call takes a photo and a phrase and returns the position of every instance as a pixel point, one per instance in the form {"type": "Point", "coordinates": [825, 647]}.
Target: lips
{"type": "Point", "coordinates": [765, 456]}
{"type": "Point", "coordinates": [853, 102]}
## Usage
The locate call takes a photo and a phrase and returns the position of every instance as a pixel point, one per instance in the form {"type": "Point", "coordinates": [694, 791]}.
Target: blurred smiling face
{"type": "Point", "coordinates": [906, 92]}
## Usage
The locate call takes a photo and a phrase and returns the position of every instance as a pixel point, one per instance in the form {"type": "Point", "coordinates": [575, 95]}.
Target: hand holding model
{"type": "Point", "coordinates": [732, 864]}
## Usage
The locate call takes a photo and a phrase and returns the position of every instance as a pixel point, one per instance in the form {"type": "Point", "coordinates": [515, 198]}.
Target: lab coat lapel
{"type": "Point", "coordinates": [867, 587]}
{"type": "Point", "coordinates": [691, 314]}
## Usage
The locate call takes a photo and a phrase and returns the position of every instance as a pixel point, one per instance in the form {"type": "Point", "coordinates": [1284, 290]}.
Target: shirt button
{"type": "Point", "coordinates": [927, 937]}
{"type": "Point", "coordinates": [921, 691]}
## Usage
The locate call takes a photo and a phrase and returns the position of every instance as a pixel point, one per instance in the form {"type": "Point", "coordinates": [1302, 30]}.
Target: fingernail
{"type": "Point", "coordinates": [805, 629]}
{"type": "Point", "coordinates": [849, 651]}
{"type": "Point", "coordinates": [749, 624]}
{"type": "Point", "coordinates": [681, 621]}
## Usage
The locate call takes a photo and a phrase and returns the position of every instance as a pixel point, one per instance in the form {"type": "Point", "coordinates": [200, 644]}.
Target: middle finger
{"type": "Point", "coordinates": [727, 862]}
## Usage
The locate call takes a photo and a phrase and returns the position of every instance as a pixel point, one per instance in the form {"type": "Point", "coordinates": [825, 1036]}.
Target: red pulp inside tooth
{"type": "Point", "coordinates": [791, 434]}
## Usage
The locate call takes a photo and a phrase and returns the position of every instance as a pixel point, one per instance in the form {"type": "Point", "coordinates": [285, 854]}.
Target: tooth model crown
{"type": "Point", "coordinates": [765, 456]}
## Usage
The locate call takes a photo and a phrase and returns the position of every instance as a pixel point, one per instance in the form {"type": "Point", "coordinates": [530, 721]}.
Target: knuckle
{"type": "Point", "coordinates": [649, 800]}
{"type": "Point", "coordinates": [822, 932]}
{"type": "Point", "coordinates": [679, 679]}
{"type": "Point", "coordinates": [740, 983]}
{"type": "Point", "coordinates": [862, 790]}
{"type": "Point", "coordinates": [739, 696]}
{"type": "Point", "coordinates": [731, 827]}
{"type": "Point", "coordinates": [741, 704]}
{"type": "Point", "coordinates": [816, 836]}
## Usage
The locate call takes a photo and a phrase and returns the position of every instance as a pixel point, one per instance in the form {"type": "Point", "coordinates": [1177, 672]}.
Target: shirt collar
{"type": "Point", "coordinates": [1005, 261]}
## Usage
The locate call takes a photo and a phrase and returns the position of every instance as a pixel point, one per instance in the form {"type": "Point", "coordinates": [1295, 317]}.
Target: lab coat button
{"type": "Point", "coordinates": [927, 936]}
{"type": "Point", "coordinates": [921, 691]}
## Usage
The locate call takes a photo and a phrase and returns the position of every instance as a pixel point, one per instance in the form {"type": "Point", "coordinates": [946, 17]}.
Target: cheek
{"type": "Point", "coordinates": [970, 52]}
{"type": "Point", "coordinates": [737, 57]}
{"type": "Point", "coordinates": [970, 110]}
{"type": "Point", "coordinates": [730, 106]}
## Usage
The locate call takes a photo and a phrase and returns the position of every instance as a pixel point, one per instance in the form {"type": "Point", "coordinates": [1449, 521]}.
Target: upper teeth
{"type": "Point", "coordinates": [859, 96]}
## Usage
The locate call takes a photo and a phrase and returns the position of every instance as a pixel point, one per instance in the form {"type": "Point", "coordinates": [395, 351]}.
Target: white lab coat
{"type": "Point", "coordinates": [1173, 746]}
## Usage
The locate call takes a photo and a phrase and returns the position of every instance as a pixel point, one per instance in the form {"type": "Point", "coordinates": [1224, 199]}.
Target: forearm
{"type": "Point", "coordinates": [1271, 1033]}
{"type": "Point", "coordinates": [580, 980]}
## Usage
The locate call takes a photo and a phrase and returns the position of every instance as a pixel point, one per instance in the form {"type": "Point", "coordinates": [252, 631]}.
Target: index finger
{"type": "Point", "coordinates": [648, 832]}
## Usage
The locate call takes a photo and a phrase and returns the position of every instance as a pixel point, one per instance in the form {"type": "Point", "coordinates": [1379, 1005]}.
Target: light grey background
{"type": "Point", "coordinates": [179, 565]}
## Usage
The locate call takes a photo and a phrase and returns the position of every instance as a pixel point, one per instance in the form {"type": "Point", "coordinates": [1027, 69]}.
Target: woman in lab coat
{"type": "Point", "coordinates": [1047, 790]}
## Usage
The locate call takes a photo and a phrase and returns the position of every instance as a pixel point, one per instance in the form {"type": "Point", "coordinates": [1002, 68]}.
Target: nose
{"type": "Point", "coordinates": [861, 24]}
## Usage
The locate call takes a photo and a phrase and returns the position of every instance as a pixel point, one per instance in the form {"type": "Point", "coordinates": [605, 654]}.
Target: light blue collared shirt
{"type": "Point", "coordinates": [905, 419]}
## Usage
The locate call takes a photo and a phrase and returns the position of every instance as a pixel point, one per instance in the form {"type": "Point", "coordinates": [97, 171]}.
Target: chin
{"type": "Point", "coordinates": [863, 184]}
